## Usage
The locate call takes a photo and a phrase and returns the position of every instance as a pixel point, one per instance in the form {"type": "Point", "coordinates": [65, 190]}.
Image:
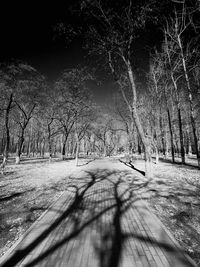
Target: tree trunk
{"type": "Point", "coordinates": [104, 149]}
{"type": "Point", "coordinates": [50, 149]}
{"type": "Point", "coordinates": [49, 139]}
{"type": "Point", "coordinates": [28, 151]}
{"type": "Point", "coordinates": [195, 139]}
{"type": "Point", "coordinates": [162, 136]}
{"type": "Point", "coordinates": [188, 144]}
{"type": "Point", "coordinates": [171, 135]}
{"type": "Point", "coordinates": [7, 140]}
{"type": "Point", "coordinates": [181, 136]}
{"type": "Point", "coordinates": [77, 149]}
{"type": "Point", "coordinates": [148, 162]}
{"type": "Point", "coordinates": [33, 149]}
{"type": "Point", "coordinates": [37, 143]}
{"type": "Point", "coordinates": [2, 143]}
{"type": "Point", "coordinates": [133, 112]}
{"type": "Point", "coordinates": [190, 98]}
{"type": "Point", "coordinates": [73, 149]}
{"type": "Point", "coordinates": [166, 147]}
{"type": "Point", "coordinates": [139, 147]}
{"type": "Point", "coordinates": [146, 144]}
{"type": "Point", "coordinates": [176, 142]}
{"type": "Point", "coordinates": [17, 160]}
{"type": "Point", "coordinates": [145, 141]}
{"type": "Point", "coordinates": [157, 154]}
{"type": "Point", "coordinates": [179, 119]}
{"type": "Point", "coordinates": [43, 148]}
{"type": "Point", "coordinates": [19, 148]}
{"type": "Point", "coordinates": [63, 155]}
{"type": "Point", "coordinates": [55, 148]}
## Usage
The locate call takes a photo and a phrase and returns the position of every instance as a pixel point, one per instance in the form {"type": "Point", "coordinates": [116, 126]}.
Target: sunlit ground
{"type": "Point", "coordinates": [28, 189]}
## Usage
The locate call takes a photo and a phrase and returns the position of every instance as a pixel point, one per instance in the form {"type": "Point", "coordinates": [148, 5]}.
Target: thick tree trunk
{"type": "Point", "coordinates": [155, 145]}
{"type": "Point", "coordinates": [130, 147]}
{"type": "Point", "coordinates": [43, 148]}
{"type": "Point", "coordinates": [63, 154]}
{"type": "Point", "coordinates": [19, 148]}
{"type": "Point", "coordinates": [67, 149]}
{"type": "Point", "coordinates": [146, 143]}
{"type": "Point", "coordinates": [188, 144]}
{"type": "Point", "coordinates": [28, 151]}
{"type": "Point", "coordinates": [148, 162]}
{"type": "Point", "coordinates": [55, 149]}
{"type": "Point", "coordinates": [139, 147]}
{"type": "Point", "coordinates": [133, 111]}
{"type": "Point", "coordinates": [17, 160]}
{"type": "Point", "coordinates": [130, 142]}
{"type": "Point", "coordinates": [156, 154]}
{"type": "Point", "coordinates": [73, 150]}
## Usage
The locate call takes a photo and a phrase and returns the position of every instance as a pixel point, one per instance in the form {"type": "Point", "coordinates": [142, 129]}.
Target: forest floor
{"type": "Point", "coordinates": [174, 196]}
{"type": "Point", "coordinates": [28, 189]}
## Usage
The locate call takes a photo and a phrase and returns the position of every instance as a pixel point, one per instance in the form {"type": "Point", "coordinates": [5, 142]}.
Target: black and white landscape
{"type": "Point", "coordinates": [110, 84]}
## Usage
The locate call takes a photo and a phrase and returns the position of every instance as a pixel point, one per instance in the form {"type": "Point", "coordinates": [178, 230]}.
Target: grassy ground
{"type": "Point", "coordinates": [26, 191]}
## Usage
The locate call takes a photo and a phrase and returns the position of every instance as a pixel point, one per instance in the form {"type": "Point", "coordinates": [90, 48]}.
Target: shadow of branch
{"type": "Point", "coordinates": [129, 164]}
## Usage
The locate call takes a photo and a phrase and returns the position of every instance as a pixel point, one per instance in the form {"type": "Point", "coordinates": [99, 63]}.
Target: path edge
{"type": "Point", "coordinates": [16, 243]}
{"type": "Point", "coordinates": [168, 232]}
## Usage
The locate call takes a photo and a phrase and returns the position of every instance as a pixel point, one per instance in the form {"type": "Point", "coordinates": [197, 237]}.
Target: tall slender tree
{"type": "Point", "coordinates": [112, 36]}
{"type": "Point", "coordinates": [179, 26]}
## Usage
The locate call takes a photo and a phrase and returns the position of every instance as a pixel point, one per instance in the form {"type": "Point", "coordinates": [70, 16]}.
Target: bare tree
{"type": "Point", "coordinates": [74, 104]}
{"type": "Point", "coordinates": [173, 65]}
{"type": "Point", "coordinates": [112, 37]}
{"type": "Point", "coordinates": [176, 29]}
{"type": "Point", "coordinates": [161, 89]}
{"type": "Point", "coordinates": [20, 82]}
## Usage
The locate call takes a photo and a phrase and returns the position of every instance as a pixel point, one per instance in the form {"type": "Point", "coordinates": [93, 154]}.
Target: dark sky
{"type": "Point", "coordinates": [26, 29]}
{"type": "Point", "coordinates": [27, 33]}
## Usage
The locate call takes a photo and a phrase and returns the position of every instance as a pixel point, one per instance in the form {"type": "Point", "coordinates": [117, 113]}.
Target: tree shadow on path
{"type": "Point", "coordinates": [100, 200]}
{"type": "Point", "coordinates": [129, 164]}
